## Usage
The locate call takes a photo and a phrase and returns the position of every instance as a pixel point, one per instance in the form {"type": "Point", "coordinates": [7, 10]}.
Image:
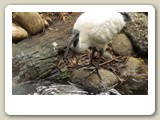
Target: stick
{"type": "Point", "coordinates": [110, 60]}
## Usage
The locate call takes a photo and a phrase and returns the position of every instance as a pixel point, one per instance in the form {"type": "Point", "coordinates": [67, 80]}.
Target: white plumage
{"type": "Point", "coordinates": [95, 30]}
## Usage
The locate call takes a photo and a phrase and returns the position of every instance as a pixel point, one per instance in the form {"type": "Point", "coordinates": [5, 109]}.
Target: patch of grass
{"type": "Point", "coordinates": [64, 74]}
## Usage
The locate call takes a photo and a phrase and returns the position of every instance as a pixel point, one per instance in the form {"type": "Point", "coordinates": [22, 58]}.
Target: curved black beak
{"type": "Point", "coordinates": [73, 39]}
{"type": "Point", "coordinates": [68, 47]}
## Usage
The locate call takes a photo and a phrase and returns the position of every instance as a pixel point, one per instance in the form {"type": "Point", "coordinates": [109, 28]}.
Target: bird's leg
{"type": "Point", "coordinates": [96, 69]}
{"type": "Point", "coordinates": [95, 65]}
{"type": "Point", "coordinates": [100, 56]}
{"type": "Point", "coordinates": [92, 56]}
{"type": "Point", "coordinates": [99, 60]}
{"type": "Point", "coordinates": [102, 84]}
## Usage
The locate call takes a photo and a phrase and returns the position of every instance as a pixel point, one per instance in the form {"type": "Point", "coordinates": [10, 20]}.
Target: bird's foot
{"type": "Point", "coordinates": [93, 70]}
{"type": "Point", "coordinates": [88, 66]}
{"type": "Point", "coordinates": [103, 87]}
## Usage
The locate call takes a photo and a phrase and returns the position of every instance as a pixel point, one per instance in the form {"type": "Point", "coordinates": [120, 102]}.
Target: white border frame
{"type": "Point", "coordinates": [79, 104]}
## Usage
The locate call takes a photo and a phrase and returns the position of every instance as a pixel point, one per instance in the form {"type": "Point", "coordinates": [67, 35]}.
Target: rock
{"type": "Point", "coordinates": [92, 83]}
{"type": "Point", "coordinates": [137, 31]}
{"type": "Point", "coordinates": [30, 21]}
{"type": "Point", "coordinates": [60, 89]}
{"type": "Point", "coordinates": [132, 66]}
{"type": "Point", "coordinates": [121, 45]}
{"type": "Point", "coordinates": [135, 78]}
{"type": "Point", "coordinates": [133, 86]}
{"type": "Point", "coordinates": [24, 88]}
{"type": "Point", "coordinates": [18, 33]}
{"type": "Point", "coordinates": [45, 88]}
{"type": "Point", "coordinates": [107, 55]}
{"type": "Point", "coordinates": [134, 63]}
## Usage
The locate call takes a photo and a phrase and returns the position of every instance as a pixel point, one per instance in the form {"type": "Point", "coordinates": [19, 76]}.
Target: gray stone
{"type": "Point", "coordinates": [137, 31]}
{"type": "Point", "coordinates": [93, 82]}
{"type": "Point", "coordinates": [107, 55]}
{"type": "Point", "coordinates": [134, 63]}
{"type": "Point", "coordinates": [121, 45]}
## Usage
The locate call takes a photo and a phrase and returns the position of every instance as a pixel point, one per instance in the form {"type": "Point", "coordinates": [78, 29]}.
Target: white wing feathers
{"type": "Point", "coordinates": [99, 27]}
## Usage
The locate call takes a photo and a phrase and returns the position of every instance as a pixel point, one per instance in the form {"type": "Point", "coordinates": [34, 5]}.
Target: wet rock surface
{"type": "Point", "coordinates": [51, 88]}
{"type": "Point", "coordinates": [46, 88]}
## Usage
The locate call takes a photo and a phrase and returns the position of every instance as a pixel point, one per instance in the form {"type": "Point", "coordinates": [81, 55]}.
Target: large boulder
{"type": "Point", "coordinates": [30, 21]}
{"type": "Point", "coordinates": [122, 45]}
{"type": "Point", "coordinates": [135, 76]}
{"type": "Point", "coordinates": [93, 83]}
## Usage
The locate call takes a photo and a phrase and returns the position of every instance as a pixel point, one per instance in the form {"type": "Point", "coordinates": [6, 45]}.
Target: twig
{"type": "Point", "coordinates": [110, 61]}
{"type": "Point", "coordinates": [60, 63]}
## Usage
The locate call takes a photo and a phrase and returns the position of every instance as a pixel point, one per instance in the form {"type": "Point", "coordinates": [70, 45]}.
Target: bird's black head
{"type": "Point", "coordinates": [126, 17]}
{"type": "Point", "coordinates": [75, 37]}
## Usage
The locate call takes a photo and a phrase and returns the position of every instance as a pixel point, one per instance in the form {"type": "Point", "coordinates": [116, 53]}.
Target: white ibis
{"type": "Point", "coordinates": [95, 30]}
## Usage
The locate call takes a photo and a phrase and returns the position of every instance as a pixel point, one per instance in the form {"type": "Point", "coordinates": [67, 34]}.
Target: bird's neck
{"type": "Point", "coordinates": [83, 47]}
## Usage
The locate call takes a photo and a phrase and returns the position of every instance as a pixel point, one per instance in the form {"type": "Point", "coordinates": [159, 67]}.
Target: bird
{"type": "Point", "coordinates": [95, 30]}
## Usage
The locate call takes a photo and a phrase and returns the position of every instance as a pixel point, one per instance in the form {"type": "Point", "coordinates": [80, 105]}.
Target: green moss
{"type": "Point", "coordinates": [64, 74]}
